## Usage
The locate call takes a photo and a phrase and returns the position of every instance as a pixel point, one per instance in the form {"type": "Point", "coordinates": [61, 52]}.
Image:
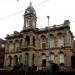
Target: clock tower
{"type": "Point", "coordinates": [30, 18]}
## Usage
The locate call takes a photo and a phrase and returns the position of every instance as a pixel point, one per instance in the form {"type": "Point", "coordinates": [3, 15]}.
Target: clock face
{"type": "Point", "coordinates": [27, 11]}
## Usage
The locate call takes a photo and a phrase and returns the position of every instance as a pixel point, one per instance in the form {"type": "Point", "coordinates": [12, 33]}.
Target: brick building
{"type": "Point", "coordinates": [30, 46]}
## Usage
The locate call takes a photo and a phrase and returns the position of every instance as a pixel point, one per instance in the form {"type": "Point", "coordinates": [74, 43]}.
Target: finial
{"type": "Point", "coordinates": [30, 3]}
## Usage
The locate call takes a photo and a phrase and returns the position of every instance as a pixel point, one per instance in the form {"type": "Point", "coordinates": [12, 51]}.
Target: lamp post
{"type": "Point", "coordinates": [48, 39]}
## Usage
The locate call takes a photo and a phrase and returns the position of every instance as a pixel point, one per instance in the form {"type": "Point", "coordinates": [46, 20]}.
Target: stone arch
{"type": "Point", "coordinates": [20, 58]}
{"type": "Point", "coordinates": [15, 58]}
{"type": "Point", "coordinates": [10, 61]}
{"type": "Point", "coordinates": [26, 58]}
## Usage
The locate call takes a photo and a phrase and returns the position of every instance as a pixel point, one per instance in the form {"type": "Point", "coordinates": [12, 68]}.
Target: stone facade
{"type": "Point", "coordinates": [73, 55]}
{"type": "Point", "coordinates": [2, 52]}
{"type": "Point", "coordinates": [30, 46]}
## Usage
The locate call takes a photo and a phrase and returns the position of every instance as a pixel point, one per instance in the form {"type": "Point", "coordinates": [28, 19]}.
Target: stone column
{"type": "Point", "coordinates": [68, 58]}
{"type": "Point", "coordinates": [12, 64]}
{"type": "Point", "coordinates": [30, 59]}
{"type": "Point", "coordinates": [31, 40]}
{"type": "Point", "coordinates": [5, 61]}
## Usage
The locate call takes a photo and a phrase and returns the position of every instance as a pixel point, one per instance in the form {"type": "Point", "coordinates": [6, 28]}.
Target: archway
{"type": "Point", "coordinates": [15, 59]}
{"type": "Point", "coordinates": [10, 61]}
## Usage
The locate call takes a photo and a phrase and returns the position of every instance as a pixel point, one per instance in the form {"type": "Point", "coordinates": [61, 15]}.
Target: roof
{"type": "Point", "coordinates": [30, 10]}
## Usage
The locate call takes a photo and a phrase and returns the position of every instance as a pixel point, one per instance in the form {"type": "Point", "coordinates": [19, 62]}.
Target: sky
{"type": "Point", "coordinates": [12, 11]}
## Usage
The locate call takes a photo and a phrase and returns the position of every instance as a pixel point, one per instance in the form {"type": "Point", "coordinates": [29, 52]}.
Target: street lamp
{"type": "Point", "coordinates": [48, 39]}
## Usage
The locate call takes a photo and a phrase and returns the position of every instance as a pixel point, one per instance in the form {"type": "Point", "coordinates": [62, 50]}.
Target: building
{"type": "Point", "coordinates": [2, 52]}
{"type": "Point", "coordinates": [30, 46]}
{"type": "Point", "coordinates": [73, 55]}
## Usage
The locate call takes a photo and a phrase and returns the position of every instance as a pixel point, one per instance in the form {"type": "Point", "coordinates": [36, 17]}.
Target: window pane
{"type": "Point", "coordinates": [43, 42]}
{"type": "Point", "coordinates": [44, 62]}
{"type": "Point", "coordinates": [43, 45]}
{"type": "Point", "coordinates": [52, 58]}
{"type": "Point", "coordinates": [17, 47]}
{"type": "Point", "coordinates": [52, 42]}
{"type": "Point", "coordinates": [60, 41]}
{"type": "Point", "coordinates": [61, 58]}
{"type": "Point", "coordinates": [26, 59]}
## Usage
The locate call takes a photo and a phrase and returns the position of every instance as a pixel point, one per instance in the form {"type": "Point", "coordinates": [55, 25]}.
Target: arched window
{"type": "Point", "coordinates": [27, 23]}
{"type": "Point", "coordinates": [20, 58]}
{"type": "Point", "coordinates": [33, 40]}
{"type": "Point", "coordinates": [43, 59]}
{"type": "Point", "coordinates": [60, 40]}
{"type": "Point", "coordinates": [43, 41]}
{"type": "Point", "coordinates": [27, 40]}
{"type": "Point", "coordinates": [52, 57]}
{"type": "Point", "coordinates": [52, 45]}
{"type": "Point", "coordinates": [21, 43]}
{"type": "Point", "coordinates": [17, 45]}
{"type": "Point", "coordinates": [15, 59]}
{"type": "Point", "coordinates": [61, 57]}
{"type": "Point", "coordinates": [11, 46]}
{"type": "Point", "coordinates": [26, 59]}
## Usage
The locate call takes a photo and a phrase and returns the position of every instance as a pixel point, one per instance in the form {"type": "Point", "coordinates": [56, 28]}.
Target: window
{"type": "Point", "coordinates": [44, 62]}
{"type": "Point", "coordinates": [27, 23]}
{"type": "Point", "coordinates": [27, 40]}
{"type": "Point", "coordinates": [11, 47]}
{"type": "Point", "coordinates": [43, 45]}
{"type": "Point", "coordinates": [51, 41]}
{"type": "Point", "coordinates": [33, 23]}
{"type": "Point", "coordinates": [15, 59]}
{"type": "Point", "coordinates": [21, 43]}
{"type": "Point", "coordinates": [43, 42]}
{"type": "Point", "coordinates": [52, 58]}
{"type": "Point", "coordinates": [43, 59]}
{"type": "Point", "coordinates": [17, 47]}
{"type": "Point", "coordinates": [60, 42]}
{"type": "Point", "coordinates": [26, 59]}
{"type": "Point", "coordinates": [61, 56]}
{"type": "Point", "coordinates": [33, 40]}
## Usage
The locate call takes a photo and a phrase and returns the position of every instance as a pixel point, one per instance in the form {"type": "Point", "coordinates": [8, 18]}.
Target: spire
{"type": "Point", "coordinates": [30, 4]}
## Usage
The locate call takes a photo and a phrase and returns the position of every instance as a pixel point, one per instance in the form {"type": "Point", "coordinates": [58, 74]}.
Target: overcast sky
{"type": "Point", "coordinates": [12, 11]}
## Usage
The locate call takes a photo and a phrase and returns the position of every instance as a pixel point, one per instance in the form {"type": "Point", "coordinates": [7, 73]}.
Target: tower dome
{"type": "Point", "coordinates": [30, 10]}
{"type": "Point", "coordinates": [30, 18]}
